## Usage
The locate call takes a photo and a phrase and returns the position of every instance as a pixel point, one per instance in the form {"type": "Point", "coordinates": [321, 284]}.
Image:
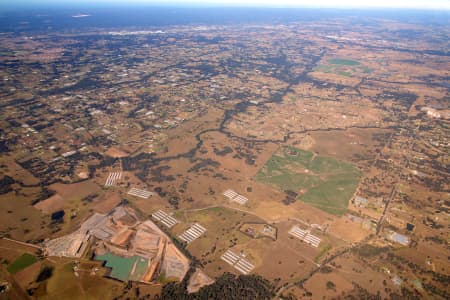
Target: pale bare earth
{"type": "Point", "coordinates": [198, 280]}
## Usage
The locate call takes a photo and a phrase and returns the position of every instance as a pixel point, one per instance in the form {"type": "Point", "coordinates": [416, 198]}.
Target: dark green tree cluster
{"type": "Point", "coordinates": [226, 287]}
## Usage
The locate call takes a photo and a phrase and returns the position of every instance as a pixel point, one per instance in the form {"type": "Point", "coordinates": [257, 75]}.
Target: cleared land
{"type": "Point", "coordinates": [345, 62]}
{"type": "Point", "coordinates": [323, 182]}
{"type": "Point", "coordinates": [343, 67]}
{"type": "Point", "coordinates": [21, 263]}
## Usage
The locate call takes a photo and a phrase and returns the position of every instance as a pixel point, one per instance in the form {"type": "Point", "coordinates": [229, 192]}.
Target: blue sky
{"type": "Point", "coordinates": [420, 4]}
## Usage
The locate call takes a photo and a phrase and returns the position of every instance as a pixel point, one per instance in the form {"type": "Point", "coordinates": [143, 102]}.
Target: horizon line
{"type": "Point", "coordinates": [198, 4]}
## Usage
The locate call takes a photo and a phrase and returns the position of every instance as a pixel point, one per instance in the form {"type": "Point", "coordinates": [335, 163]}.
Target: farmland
{"type": "Point", "coordinates": [136, 159]}
{"type": "Point", "coordinates": [320, 181]}
{"type": "Point", "coordinates": [21, 263]}
{"type": "Point", "coordinates": [343, 67]}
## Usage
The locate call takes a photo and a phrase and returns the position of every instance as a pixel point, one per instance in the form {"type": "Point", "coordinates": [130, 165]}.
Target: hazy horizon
{"type": "Point", "coordinates": [345, 4]}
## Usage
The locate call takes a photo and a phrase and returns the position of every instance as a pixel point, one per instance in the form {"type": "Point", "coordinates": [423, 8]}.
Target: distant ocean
{"type": "Point", "coordinates": [51, 19]}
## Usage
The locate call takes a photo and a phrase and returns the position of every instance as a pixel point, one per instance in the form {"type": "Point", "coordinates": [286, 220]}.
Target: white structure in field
{"type": "Point", "coordinates": [140, 193]}
{"type": "Point", "coordinates": [238, 262]}
{"type": "Point", "coordinates": [305, 236]}
{"type": "Point", "coordinates": [164, 218]}
{"type": "Point", "coordinates": [192, 233]}
{"type": "Point", "coordinates": [112, 178]}
{"type": "Point", "coordinates": [235, 197]}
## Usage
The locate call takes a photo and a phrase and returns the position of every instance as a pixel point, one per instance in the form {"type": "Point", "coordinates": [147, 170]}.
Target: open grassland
{"type": "Point", "coordinates": [344, 62]}
{"type": "Point", "coordinates": [64, 284]}
{"type": "Point", "coordinates": [343, 67]}
{"type": "Point", "coordinates": [222, 226]}
{"type": "Point", "coordinates": [222, 233]}
{"type": "Point", "coordinates": [320, 181]}
{"type": "Point", "coordinates": [21, 263]}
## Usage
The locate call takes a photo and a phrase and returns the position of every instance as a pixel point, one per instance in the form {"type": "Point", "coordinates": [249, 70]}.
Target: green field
{"type": "Point", "coordinates": [343, 62]}
{"type": "Point", "coordinates": [344, 73]}
{"type": "Point", "coordinates": [25, 260]}
{"type": "Point", "coordinates": [343, 67]}
{"type": "Point", "coordinates": [324, 69]}
{"type": "Point", "coordinates": [320, 181]}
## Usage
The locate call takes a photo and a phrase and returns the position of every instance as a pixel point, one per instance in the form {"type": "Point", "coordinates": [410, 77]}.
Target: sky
{"type": "Point", "coordinates": [414, 4]}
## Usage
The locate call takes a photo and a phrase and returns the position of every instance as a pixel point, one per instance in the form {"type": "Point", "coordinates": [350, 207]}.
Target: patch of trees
{"type": "Point", "coordinates": [382, 164]}
{"type": "Point", "coordinates": [432, 289]}
{"type": "Point", "coordinates": [207, 69]}
{"type": "Point", "coordinates": [4, 147]}
{"type": "Point", "coordinates": [326, 269]}
{"type": "Point", "coordinates": [435, 185]}
{"type": "Point", "coordinates": [89, 198]}
{"type": "Point", "coordinates": [5, 184]}
{"type": "Point", "coordinates": [45, 274]}
{"type": "Point", "coordinates": [58, 216]}
{"type": "Point", "coordinates": [174, 201]}
{"type": "Point", "coordinates": [142, 161]}
{"type": "Point", "coordinates": [290, 197]}
{"type": "Point", "coordinates": [160, 191]}
{"type": "Point", "coordinates": [84, 84]}
{"type": "Point", "coordinates": [43, 194]}
{"type": "Point", "coordinates": [408, 294]}
{"type": "Point", "coordinates": [226, 287]}
{"type": "Point", "coordinates": [401, 262]}
{"type": "Point", "coordinates": [203, 164]}
{"type": "Point", "coordinates": [431, 223]}
{"type": "Point", "coordinates": [50, 172]}
{"type": "Point", "coordinates": [158, 175]}
{"type": "Point", "coordinates": [331, 285]}
{"type": "Point", "coordinates": [358, 292]}
{"type": "Point", "coordinates": [369, 250]}
{"type": "Point", "coordinates": [220, 176]}
{"type": "Point", "coordinates": [224, 151]}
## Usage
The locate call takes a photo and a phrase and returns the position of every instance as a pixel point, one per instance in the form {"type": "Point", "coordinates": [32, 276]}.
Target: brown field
{"type": "Point", "coordinates": [11, 250]}
{"type": "Point", "coordinates": [347, 230]}
{"type": "Point", "coordinates": [354, 270]}
{"type": "Point", "coordinates": [19, 218]}
{"type": "Point", "coordinates": [65, 285]}
{"type": "Point", "coordinates": [234, 164]}
{"type": "Point", "coordinates": [15, 290]}
{"type": "Point", "coordinates": [75, 191]}
{"type": "Point", "coordinates": [222, 226]}
{"type": "Point", "coordinates": [27, 276]}
{"type": "Point", "coordinates": [148, 206]}
{"type": "Point", "coordinates": [106, 202]}
{"type": "Point", "coordinates": [17, 172]}
{"type": "Point", "coordinates": [352, 145]}
{"type": "Point", "coordinates": [116, 152]}
{"type": "Point", "coordinates": [286, 258]}
{"type": "Point", "coordinates": [183, 137]}
{"type": "Point", "coordinates": [275, 121]}
{"type": "Point", "coordinates": [317, 284]}
{"type": "Point", "coordinates": [345, 272]}
{"type": "Point", "coordinates": [277, 211]}
{"type": "Point", "coordinates": [50, 205]}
